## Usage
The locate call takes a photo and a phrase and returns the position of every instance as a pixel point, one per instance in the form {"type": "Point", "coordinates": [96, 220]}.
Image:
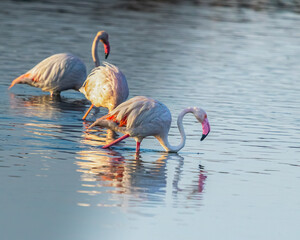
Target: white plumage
{"type": "Point", "coordinates": [141, 116]}
{"type": "Point", "coordinates": [55, 74]}
{"type": "Point", "coordinates": [106, 86]}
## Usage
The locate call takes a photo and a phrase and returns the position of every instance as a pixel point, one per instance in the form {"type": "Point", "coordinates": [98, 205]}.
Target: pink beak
{"type": "Point", "coordinates": [106, 49]}
{"type": "Point", "coordinates": [205, 128]}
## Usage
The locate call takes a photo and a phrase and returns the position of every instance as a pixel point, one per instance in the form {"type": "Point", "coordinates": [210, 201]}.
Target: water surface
{"type": "Point", "coordinates": [240, 65]}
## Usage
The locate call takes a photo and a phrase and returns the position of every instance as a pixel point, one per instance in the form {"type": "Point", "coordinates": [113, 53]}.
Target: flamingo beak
{"type": "Point", "coordinates": [106, 49]}
{"type": "Point", "coordinates": [205, 129]}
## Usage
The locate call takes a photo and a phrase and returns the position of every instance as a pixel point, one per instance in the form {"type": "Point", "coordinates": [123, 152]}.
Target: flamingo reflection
{"type": "Point", "coordinates": [46, 118]}
{"type": "Point", "coordinates": [120, 181]}
{"type": "Point", "coordinates": [44, 106]}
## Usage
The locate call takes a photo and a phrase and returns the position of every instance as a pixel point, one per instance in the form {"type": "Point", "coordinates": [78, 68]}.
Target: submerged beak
{"type": "Point", "coordinates": [205, 129]}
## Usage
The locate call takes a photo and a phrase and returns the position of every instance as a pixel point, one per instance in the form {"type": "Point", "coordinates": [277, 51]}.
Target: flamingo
{"type": "Point", "coordinates": [105, 86]}
{"type": "Point", "coordinates": [141, 116]}
{"type": "Point", "coordinates": [55, 74]}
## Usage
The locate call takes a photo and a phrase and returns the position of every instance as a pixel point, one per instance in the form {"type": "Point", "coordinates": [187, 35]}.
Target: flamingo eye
{"type": "Point", "coordinates": [205, 116]}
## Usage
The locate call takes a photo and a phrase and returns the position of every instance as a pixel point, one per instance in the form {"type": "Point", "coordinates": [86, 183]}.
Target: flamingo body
{"type": "Point", "coordinates": [105, 86]}
{"type": "Point", "coordinates": [141, 116]}
{"type": "Point", "coordinates": [55, 74]}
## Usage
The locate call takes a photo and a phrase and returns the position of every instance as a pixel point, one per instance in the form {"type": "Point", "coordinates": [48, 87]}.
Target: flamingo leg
{"type": "Point", "coordinates": [87, 112]}
{"type": "Point", "coordinates": [116, 141]}
{"type": "Point", "coordinates": [138, 144]}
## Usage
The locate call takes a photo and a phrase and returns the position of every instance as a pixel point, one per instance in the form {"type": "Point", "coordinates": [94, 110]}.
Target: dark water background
{"type": "Point", "coordinates": [240, 65]}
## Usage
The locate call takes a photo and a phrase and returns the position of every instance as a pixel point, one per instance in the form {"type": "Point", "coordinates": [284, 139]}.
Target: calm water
{"type": "Point", "coordinates": [242, 182]}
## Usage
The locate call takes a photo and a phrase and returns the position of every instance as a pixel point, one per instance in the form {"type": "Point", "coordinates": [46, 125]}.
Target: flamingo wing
{"type": "Point", "coordinates": [56, 73]}
{"type": "Point", "coordinates": [141, 115]}
{"type": "Point", "coordinates": [59, 72]}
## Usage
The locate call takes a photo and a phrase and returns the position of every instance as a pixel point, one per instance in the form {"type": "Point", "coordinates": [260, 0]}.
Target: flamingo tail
{"type": "Point", "coordinates": [116, 141]}
{"type": "Point", "coordinates": [18, 80]}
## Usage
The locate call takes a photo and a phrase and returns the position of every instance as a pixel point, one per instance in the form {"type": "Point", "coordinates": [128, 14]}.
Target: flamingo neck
{"type": "Point", "coordinates": [164, 139]}
{"type": "Point", "coordinates": [95, 51]}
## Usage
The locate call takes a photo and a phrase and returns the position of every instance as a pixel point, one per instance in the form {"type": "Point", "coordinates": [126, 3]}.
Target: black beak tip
{"type": "Point", "coordinates": [203, 137]}
{"type": "Point", "coordinates": [106, 55]}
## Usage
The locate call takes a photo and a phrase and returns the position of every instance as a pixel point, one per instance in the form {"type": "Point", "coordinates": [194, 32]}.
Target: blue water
{"type": "Point", "coordinates": [241, 182]}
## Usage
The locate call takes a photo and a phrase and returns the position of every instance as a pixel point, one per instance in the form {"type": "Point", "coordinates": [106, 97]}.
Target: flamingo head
{"type": "Point", "coordinates": [103, 37]}
{"type": "Point", "coordinates": [201, 116]}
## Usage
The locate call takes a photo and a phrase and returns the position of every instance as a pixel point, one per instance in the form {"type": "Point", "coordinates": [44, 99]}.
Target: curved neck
{"type": "Point", "coordinates": [164, 139]}
{"type": "Point", "coordinates": [95, 51]}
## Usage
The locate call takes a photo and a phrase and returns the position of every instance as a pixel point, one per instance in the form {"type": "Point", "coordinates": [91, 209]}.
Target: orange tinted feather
{"type": "Point", "coordinates": [123, 122]}
{"type": "Point", "coordinates": [35, 79]}
{"type": "Point", "coordinates": [19, 79]}
{"type": "Point", "coordinates": [26, 75]}
{"type": "Point", "coordinates": [112, 118]}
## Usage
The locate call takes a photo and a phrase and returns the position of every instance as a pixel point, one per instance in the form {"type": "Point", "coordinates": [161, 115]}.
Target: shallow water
{"type": "Point", "coordinates": [241, 182]}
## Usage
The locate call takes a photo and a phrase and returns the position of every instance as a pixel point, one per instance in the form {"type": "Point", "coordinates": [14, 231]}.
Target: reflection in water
{"type": "Point", "coordinates": [202, 178]}
{"type": "Point", "coordinates": [45, 121]}
{"type": "Point", "coordinates": [45, 106]}
{"type": "Point", "coordinates": [101, 166]}
{"type": "Point", "coordinates": [191, 191]}
{"type": "Point", "coordinates": [129, 182]}
{"type": "Point", "coordinates": [242, 65]}
{"type": "Point", "coordinates": [97, 137]}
